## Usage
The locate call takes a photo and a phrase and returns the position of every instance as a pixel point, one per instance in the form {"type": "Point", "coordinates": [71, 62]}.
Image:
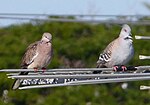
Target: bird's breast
{"type": "Point", "coordinates": [123, 54]}
{"type": "Point", "coordinates": [45, 47]}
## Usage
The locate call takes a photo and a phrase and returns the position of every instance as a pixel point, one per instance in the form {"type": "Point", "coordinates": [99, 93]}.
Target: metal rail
{"type": "Point", "coordinates": [86, 82]}
{"type": "Point", "coordinates": [144, 87]}
{"type": "Point", "coordinates": [52, 73]}
{"type": "Point", "coordinates": [103, 19]}
{"type": "Point", "coordinates": [79, 76]}
{"type": "Point", "coordinates": [144, 57]}
{"type": "Point", "coordinates": [76, 76]}
{"type": "Point", "coordinates": [58, 70]}
{"type": "Point", "coordinates": [142, 37]}
{"type": "Point", "coordinates": [73, 69]}
{"type": "Point", "coordinates": [71, 15]}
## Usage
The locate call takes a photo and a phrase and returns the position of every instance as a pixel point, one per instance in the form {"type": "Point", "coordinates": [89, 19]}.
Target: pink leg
{"type": "Point", "coordinates": [115, 68]}
{"type": "Point", "coordinates": [44, 69]}
{"type": "Point", "coordinates": [35, 69]}
{"type": "Point", "coordinates": [119, 68]}
{"type": "Point", "coordinates": [124, 68]}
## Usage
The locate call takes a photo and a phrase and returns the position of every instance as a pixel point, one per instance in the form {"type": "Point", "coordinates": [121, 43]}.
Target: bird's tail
{"type": "Point", "coordinates": [16, 84]}
{"type": "Point", "coordinates": [98, 65]}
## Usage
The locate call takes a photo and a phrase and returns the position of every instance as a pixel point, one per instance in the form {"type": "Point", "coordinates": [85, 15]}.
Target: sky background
{"type": "Point", "coordinates": [97, 7]}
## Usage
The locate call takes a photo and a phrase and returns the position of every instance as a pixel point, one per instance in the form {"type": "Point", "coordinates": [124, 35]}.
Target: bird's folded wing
{"type": "Point", "coordinates": [30, 55]}
{"type": "Point", "coordinates": [105, 56]}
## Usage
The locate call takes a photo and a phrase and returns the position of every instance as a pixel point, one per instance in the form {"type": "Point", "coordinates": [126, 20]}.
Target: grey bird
{"type": "Point", "coordinates": [37, 56]}
{"type": "Point", "coordinates": [119, 51]}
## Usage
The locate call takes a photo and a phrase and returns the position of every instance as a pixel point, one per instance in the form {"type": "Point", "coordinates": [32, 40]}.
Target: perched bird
{"type": "Point", "coordinates": [119, 51]}
{"type": "Point", "coordinates": [37, 56]}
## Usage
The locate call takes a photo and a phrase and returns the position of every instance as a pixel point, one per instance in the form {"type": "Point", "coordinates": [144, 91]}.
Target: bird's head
{"type": "Point", "coordinates": [126, 33]}
{"type": "Point", "coordinates": [47, 37]}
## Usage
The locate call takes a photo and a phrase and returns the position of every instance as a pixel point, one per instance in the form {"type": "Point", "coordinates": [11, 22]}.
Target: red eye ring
{"type": "Point", "coordinates": [125, 30]}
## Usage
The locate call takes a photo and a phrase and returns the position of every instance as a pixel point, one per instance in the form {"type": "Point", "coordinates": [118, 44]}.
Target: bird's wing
{"type": "Point", "coordinates": [105, 56]}
{"type": "Point", "coordinates": [30, 55]}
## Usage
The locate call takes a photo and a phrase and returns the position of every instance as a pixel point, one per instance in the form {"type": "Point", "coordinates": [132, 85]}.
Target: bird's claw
{"type": "Point", "coordinates": [119, 68]}
{"type": "Point", "coordinates": [124, 68]}
{"type": "Point", "coordinates": [44, 69]}
{"type": "Point", "coordinates": [35, 69]}
{"type": "Point", "coordinates": [115, 68]}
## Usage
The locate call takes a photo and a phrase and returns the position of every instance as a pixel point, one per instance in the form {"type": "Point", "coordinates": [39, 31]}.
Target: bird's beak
{"type": "Point", "coordinates": [49, 41]}
{"type": "Point", "coordinates": [130, 37]}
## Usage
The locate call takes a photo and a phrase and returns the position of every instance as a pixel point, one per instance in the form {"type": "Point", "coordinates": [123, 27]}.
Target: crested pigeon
{"type": "Point", "coordinates": [119, 51]}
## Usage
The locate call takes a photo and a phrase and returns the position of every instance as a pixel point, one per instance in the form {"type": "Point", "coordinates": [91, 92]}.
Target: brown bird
{"type": "Point", "coordinates": [37, 56]}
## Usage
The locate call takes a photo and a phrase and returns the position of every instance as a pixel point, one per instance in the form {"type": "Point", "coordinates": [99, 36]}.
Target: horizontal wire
{"type": "Point", "coordinates": [144, 87]}
{"type": "Point", "coordinates": [144, 57]}
{"type": "Point", "coordinates": [52, 73]}
{"type": "Point", "coordinates": [142, 37]}
{"type": "Point", "coordinates": [58, 70]}
{"type": "Point", "coordinates": [71, 69]}
{"type": "Point", "coordinates": [86, 82]}
{"type": "Point", "coordinates": [127, 21]}
{"type": "Point", "coordinates": [33, 14]}
{"type": "Point", "coordinates": [79, 76]}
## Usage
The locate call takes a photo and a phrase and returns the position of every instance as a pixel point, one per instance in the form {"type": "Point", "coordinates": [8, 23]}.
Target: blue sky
{"type": "Point", "coordinates": [101, 7]}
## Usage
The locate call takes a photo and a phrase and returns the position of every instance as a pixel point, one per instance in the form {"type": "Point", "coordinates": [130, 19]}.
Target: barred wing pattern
{"type": "Point", "coordinates": [105, 57]}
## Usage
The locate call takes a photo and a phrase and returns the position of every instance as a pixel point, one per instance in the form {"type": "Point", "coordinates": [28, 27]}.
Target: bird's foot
{"type": "Point", "coordinates": [119, 68]}
{"type": "Point", "coordinates": [115, 68]}
{"type": "Point", "coordinates": [44, 69]}
{"type": "Point", "coordinates": [35, 69]}
{"type": "Point", "coordinates": [124, 68]}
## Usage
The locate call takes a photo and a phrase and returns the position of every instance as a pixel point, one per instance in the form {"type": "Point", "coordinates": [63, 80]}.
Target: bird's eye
{"type": "Point", "coordinates": [125, 30]}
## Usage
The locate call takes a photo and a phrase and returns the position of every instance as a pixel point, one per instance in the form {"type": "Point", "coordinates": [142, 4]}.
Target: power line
{"type": "Point", "coordinates": [80, 15]}
{"type": "Point", "coordinates": [141, 22]}
{"type": "Point", "coordinates": [80, 18]}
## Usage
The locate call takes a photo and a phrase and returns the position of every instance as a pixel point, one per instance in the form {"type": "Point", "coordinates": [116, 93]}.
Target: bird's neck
{"type": "Point", "coordinates": [125, 42]}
